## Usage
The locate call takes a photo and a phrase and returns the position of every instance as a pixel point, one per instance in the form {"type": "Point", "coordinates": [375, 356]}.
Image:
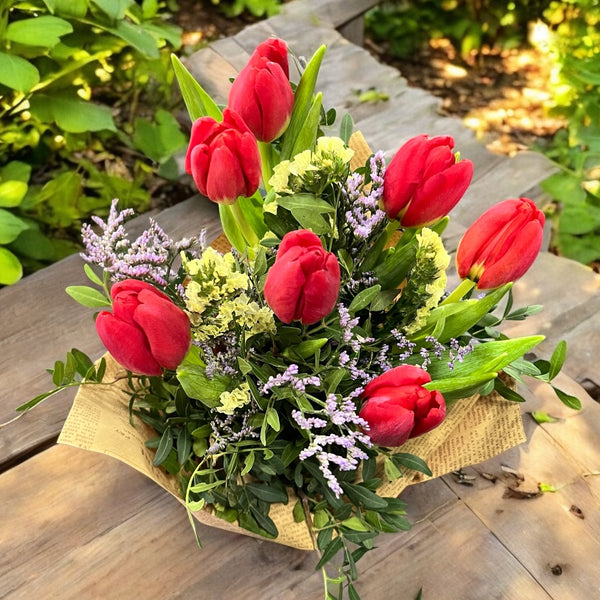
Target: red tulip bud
{"type": "Point", "coordinates": [223, 158]}
{"type": "Point", "coordinates": [304, 282]}
{"type": "Point", "coordinates": [423, 182]}
{"type": "Point", "coordinates": [261, 94]}
{"type": "Point", "coordinates": [274, 50]}
{"type": "Point", "coordinates": [397, 406]}
{"type": "Point", "coordinates": [146, 331]}
{"type": "Point", "coordinates": [502, 244]}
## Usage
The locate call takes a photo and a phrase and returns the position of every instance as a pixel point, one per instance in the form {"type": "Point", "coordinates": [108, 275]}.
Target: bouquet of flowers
{"type": "Point", "coordinates": [301, 367]}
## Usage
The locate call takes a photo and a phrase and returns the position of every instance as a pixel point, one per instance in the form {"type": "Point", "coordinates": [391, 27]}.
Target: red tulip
{"type": "Point", "coordinates": [502, 244]}
{"type": "Point", "coordinates": [146, 331]}
{"type": "Point", "coordinates": [397, 407]}
{"type": "Point", "coordinates": [261, 94]}
{"type": "Point", "coordinates": [274, 50]}
{"type": "Point", "coordinates": [423, 182]}
{"type": "Point", "coordinates": [304, 282]}
{"type": "Point", "coordinates": [223, 158]}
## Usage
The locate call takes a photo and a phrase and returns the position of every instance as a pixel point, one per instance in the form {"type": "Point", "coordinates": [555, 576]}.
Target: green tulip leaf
{"type": "Point", "coordinates": [196, 99]}
{"type": "Point", "coordinates": [303, 101]}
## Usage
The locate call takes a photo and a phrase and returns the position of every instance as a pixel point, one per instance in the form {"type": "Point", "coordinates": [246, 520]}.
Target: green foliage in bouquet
{"type": "Point", "coordinates": [325, 338]}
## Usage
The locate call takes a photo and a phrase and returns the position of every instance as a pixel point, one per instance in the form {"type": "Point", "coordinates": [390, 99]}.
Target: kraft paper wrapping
{"type": "Point", "coordinates": [475, 429]}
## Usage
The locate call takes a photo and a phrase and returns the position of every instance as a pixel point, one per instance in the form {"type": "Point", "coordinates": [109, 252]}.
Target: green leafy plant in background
{"type": "Point", "coordinates": [257, 8]}
{"type": "Point", "coordinates": [82, 82]}
{"type": "Point", "coordinates": [407, 25]}
{"type": "Point", "coordinates": [574, 45]}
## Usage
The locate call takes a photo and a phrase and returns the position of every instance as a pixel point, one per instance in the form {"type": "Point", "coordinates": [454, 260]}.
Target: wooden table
{"type": "Point", "coordinates": [83, 526]}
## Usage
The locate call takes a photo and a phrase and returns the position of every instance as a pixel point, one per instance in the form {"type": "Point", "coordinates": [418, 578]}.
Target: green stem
{"type": "Point", "coordinates": [266, 163]}
{"type": "Point", "coordinates": [247, 231]}
{"type": "Point", "coordinates": [465, 286]}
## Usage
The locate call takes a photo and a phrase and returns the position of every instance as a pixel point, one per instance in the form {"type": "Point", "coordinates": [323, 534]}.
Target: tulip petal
{"type": "Point", "coordinates": [303, 238]}
{"type": "Point", "coordinates": [389, 425]}
{"type": "Point", "coordinates": [516, 261]}
{"type": "Point", "coordinates": [225, 180]}
{"type": "Point", "coordinates": [398, 376]}
{"type": "Point", "coordinates": [200, 162]}
{"type": "Point", "coordinates": [283, 287]}
{"type": "Point", "coordinates": [438, 195]}
{"type": "Point", "coordinates": [167, 329]}
{"type": "Point", "coordinates": [127, 344]}
{"type": "Point", "coordinates": [319, 295]}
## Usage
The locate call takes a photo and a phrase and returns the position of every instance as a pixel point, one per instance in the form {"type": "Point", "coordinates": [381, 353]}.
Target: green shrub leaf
{"type": "Point", "coordinates": [12, 193]}
{"type": "Point", "coordinates": [10, 267]}
{"type": "Point", "coordinates": [17, 73]}
{"type": "Point", "coordinates": [10, 226]}
{"type": "Point", "coordinates": [45, 30]}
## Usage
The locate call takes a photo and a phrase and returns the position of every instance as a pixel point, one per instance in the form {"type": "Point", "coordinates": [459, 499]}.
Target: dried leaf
{"type": "Point", "coordinates": [511, 492]}
{"type": "Point", "coordinates": [577, 511]}
{"type": "Point", "coordinates": [489, 476]}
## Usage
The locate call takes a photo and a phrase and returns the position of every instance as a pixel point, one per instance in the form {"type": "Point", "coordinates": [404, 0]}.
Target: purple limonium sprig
{"type": "Point", "coordinates": [290, 378]}
{"type": "Point", "coordinates": [325, 447]}
{"type": "Point", "coordinates": [355, 342]}
{"type": "Point", "coordinates": [223, 432]}
{"type": "Point", "coordinates": [364, 214]}
{"type": "Point", "coordinates": [148, 257]}
{"type": "Point", "coordinates": [405, 346]}
{"type": "Point", "coordinates": [220, 355]}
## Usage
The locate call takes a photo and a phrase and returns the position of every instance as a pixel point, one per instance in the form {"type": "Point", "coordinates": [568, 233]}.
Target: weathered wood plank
{"type": "Point", "coordinates": [543, 533]}
{"type": "Point", "coordinates": [39, 324]}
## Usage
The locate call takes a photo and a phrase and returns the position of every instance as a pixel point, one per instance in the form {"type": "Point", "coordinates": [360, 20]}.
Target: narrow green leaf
{"type": "Point", "coordinates": [87, 296]}
{"type": "Point", "coordinates": [352, 593]}
{"type": "Point", "coordinates": [391, 470]}
{"type": "Point", "coordinates": [330, 551]}
{"type": "Point", "coordinates": [164, 447]}
{"type": "Point", "coordinates": [412, 462]}
{"type": "Point", "coordinates": [298, 512]}
{"type": "Point", "coordinates": [196, 99]}
{"type": "Point", "coordinates": [557, 359]}
{"type": "Point", "coordinates": [91, 275]}
{"type": "Point", "coordinates": [364, 298]}
{"type": "Point", "coordinates": [58, 373]}
{"type": "Point", "coordinates": [184, 445]}
{"type": "Point", "coordinates": [568, 400]}
{"type": "Point", "coordinates": [303, 99]}
{"type": "Point", "coordinates": [360, 495]}
{"type": "Point", "coordinates": [507, 392]}
{"type": "Point", "coordinates": [264, 521]}
{"type": "Point", "coordinates": [39, 398]}
{"type": "Point", "coordinates": [248, 463]}
{"type": "Point", "coordinates": [308, 133]}
{"type": "Point", "coordinates": [268, 493]}
{"type": "Point", "coordinates": [346, 128]}
{"type": "Point", "coordinates": [273, 418]}
{"type": "Point", "coordinates": [540, 417]}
